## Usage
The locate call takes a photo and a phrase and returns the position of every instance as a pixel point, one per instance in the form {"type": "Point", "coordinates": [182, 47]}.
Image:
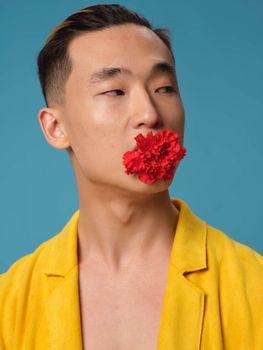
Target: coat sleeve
{"type": "Point", "coordinates": [2, 344]}
{"type": "Point", "coordinates": [240, 294]}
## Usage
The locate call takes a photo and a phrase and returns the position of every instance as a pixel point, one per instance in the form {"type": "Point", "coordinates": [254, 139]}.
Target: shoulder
{"type": "Point", "coordinates": [20, 286]}
{"type": "Point", "coordinates": [222, 248]}
{"type": "Point", "coordinates": [57, 255]}
{"type": "Point", "coordinates": [22, 271]}
{"type": "Point", "coordinates": [22, 290]}
{"type": "Point", "coordinates": [238, 271]}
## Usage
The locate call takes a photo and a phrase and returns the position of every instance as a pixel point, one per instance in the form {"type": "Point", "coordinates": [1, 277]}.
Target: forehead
{"type": "Point", "coordinates": [131, 43]}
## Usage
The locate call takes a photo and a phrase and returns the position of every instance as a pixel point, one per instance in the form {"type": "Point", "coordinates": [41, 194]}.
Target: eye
{"type": "Point", "coordinates": [169, 88]}
{"type": "Point", "coordinates": [107, 92]}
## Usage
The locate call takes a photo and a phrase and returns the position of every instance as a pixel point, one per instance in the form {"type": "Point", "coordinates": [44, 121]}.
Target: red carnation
{"type": "Point", "coordinates": [155, 157]}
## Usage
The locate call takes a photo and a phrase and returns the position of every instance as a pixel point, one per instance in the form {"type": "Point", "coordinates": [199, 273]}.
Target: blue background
{"type": "Point", "coordinates": [219, 53]}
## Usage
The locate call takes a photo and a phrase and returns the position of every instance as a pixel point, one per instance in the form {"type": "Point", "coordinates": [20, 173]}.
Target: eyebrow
{"type": "Point", "coordinates": [108, 73]}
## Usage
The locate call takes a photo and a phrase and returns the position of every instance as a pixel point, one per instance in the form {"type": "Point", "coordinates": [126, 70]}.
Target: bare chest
{"type": "Point", "coordinates": [123, 314]}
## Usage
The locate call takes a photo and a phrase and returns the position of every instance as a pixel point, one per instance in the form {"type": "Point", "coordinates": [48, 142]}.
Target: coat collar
{"type": "Point", "coordinates": [62, 254]}
{"type": "Point", "coordinates": [188, 251]}
{"type": "Point", "coordinates": [189, 248]}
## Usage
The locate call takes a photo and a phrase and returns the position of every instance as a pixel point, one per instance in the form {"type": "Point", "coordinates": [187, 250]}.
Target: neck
{"type": "Point", "coordinates": [116, 230]}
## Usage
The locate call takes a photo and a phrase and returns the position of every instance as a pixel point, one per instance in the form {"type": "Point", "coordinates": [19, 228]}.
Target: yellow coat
{"type": "Point", "coordinates": [213, 298]}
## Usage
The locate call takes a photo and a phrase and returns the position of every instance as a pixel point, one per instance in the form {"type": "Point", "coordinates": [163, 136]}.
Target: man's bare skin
{"type": "Point", "coordinates": [126, 227]}
{"type": "Point", "coordinates": [122, 310]}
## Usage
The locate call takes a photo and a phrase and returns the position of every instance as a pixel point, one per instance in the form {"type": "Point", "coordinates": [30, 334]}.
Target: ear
{"type": "Point", "coordinates": [51, 125]}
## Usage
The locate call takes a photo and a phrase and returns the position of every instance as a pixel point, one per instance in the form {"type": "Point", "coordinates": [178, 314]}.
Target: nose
{"type": "Point", "coordinates": [145, 111]}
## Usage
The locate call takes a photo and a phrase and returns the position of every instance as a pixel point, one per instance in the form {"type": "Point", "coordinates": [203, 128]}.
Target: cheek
{"type": "Point", "coordinates": [106, 112]}
{"type": "Point", "coordinates": [94, 131]}
{"type": "Point", "coordinates": [177, 120]}
{"type": "Point", "coordinates": [92, 157]}
{"type": "Point", "coordinates": [175, 112]}
{"type": "Point", "coordinates": [95, 148]}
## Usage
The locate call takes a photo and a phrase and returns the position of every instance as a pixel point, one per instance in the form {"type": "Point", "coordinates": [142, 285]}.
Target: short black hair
{"type": "Point", "coordinates": [54, 64]}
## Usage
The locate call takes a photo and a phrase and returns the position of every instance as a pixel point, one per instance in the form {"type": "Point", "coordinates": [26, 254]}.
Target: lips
{"type": "Point", "coordinates": [154, 157]}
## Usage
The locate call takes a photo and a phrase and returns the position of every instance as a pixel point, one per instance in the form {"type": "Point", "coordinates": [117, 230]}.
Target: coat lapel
{"type": "Point", "coordinates": [184, 303]}
{"type": "Point", "coordinates": [62, 310]}
{"type": "Point", "coordinates": [62, 290]}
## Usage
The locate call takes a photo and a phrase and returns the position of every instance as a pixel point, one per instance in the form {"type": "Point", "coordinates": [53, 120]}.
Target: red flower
{"type": "Point", "coordinates": [155, 157]}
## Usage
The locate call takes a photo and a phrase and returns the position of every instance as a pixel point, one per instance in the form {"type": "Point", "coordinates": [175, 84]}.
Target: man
{"type": "Point", "coordinates": [132, 268]}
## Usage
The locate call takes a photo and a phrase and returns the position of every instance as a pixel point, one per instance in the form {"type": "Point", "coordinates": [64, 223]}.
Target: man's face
{"type": "Point", "coordinates": [102, 117]}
